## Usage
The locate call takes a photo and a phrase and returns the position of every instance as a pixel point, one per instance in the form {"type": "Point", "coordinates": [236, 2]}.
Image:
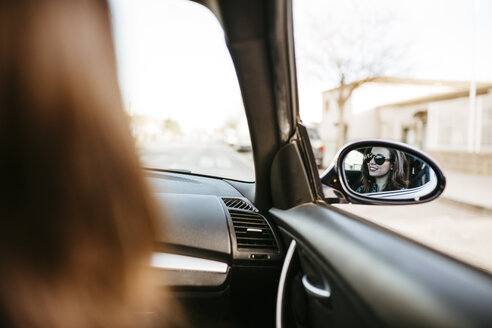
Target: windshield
{"type": "Point", "coordinates": [180, 89]}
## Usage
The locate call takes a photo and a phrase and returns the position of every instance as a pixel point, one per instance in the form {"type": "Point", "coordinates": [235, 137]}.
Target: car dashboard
{"type": "Point", "coordinates": [214, 246]}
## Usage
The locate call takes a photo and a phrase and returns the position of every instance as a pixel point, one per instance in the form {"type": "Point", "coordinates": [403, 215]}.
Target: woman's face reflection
{"type": "Point", "coordinates": [376, 170]}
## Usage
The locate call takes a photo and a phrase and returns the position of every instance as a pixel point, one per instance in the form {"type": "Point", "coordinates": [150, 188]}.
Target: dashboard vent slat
{"type": "Point", "coordinates": [246, 226]}
{"type": "Point", "coordinates": [252, 231]}
{"type": "Point", "coordinates": [239, 204]}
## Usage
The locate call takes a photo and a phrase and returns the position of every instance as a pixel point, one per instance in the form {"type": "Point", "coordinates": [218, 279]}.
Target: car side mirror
{"type": "Point", "coordinates": [384, 172]}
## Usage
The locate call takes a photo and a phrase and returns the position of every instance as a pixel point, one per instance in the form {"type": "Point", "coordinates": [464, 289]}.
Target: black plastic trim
{"type": "Point", "coordinates": [403, 283]}
{"type": "Point", "coordinates": [310, 161]}
{"type": "Point", "coordinates": [289, 182]}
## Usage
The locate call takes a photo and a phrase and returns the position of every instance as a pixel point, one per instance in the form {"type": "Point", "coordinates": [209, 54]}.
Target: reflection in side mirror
{"type": "Point", "coordinates": [387, 173]}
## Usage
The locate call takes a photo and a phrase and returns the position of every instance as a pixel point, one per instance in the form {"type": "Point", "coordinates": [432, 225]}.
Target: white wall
{"type": "Point", "coordinates": [447, 126]}
{"type": "Point", "coordinates": [359, 111]}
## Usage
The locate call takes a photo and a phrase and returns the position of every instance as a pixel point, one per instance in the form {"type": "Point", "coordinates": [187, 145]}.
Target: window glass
{"type": "Point", "coordinates": [417, 72]}
{"type": "Point", "coordinates": [487, 124]}
{"type": "Point", "coordinates": [180, 88]}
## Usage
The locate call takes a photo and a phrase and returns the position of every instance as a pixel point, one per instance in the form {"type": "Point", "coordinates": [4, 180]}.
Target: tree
{"type": "Point", "coordinates": [172, 126]}
{"type": "Point", "coordinates": [345, 44]}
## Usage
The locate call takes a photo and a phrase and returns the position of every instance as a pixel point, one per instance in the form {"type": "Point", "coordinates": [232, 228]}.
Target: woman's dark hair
{"type": "Point", "coordinates": [397, 177]}
{"type": "Point", "coordinates": [77, 216]}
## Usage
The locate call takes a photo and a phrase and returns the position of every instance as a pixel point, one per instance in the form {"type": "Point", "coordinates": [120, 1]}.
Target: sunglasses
{"type": "Point", "coordinates": [378, 159]}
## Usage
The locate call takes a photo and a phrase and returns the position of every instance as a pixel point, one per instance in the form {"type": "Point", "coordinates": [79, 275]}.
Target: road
{"type": "Point", "coordinates": [210, 158]}
{"type": "Point", "coordinates": [462, 232]}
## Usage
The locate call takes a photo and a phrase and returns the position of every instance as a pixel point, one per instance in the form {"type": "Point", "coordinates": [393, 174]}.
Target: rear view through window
{"type": "Point", "coordinates": [417, 72]}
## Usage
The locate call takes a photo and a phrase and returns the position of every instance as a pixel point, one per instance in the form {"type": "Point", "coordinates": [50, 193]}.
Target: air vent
{"type": "Point", "coordinates": [239, 204]}
{"type": "Point", "coordinates": [252, 231]}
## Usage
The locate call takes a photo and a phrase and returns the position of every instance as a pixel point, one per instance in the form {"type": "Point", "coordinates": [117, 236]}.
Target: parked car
{"type": "Point", "coordinates": [317, 144]}
{"type": "Point", "coordinates": [276, 252]}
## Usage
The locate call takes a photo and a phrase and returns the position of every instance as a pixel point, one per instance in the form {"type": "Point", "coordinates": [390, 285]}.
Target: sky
{"type": "Point", "coordinates": [436, 35]}
{"type": "Point", "coordinates": [173, 61]}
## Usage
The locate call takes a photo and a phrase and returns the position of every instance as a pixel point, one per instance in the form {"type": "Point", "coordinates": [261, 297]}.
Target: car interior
{"type": "Point", "coordinates": [417, 172]}
{"type": "Point", "coordinates": [275, 252]}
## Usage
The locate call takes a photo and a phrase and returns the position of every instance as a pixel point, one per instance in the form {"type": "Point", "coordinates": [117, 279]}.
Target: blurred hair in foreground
{"type": "Point", "coordinates": [76, 213]}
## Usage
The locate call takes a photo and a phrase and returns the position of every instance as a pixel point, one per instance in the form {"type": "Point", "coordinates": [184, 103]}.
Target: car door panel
{"type": "Point", "coordinates": [303, 302]}
{"type": "Point", "coordinates": [401, 282]}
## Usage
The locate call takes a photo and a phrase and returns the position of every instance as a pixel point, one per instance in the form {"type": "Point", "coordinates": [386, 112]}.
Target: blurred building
{"type": "Point", "coordinates": [145, 128]}
{"type": "Point", "coordinates": [435, 116]}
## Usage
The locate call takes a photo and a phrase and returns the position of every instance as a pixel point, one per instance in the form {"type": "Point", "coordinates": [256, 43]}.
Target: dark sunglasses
{"type": "Point", "coordinates": [378, 159]}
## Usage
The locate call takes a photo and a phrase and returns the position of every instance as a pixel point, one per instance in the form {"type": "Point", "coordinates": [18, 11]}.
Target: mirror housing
{"type": "Point", "coordinates": [339, 181]}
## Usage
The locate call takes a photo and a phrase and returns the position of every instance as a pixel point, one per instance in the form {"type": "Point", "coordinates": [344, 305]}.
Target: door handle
{"type": "Point", "coordinates": [320, 293]}
{"type": "Point", "coordinates": [281, 285]}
